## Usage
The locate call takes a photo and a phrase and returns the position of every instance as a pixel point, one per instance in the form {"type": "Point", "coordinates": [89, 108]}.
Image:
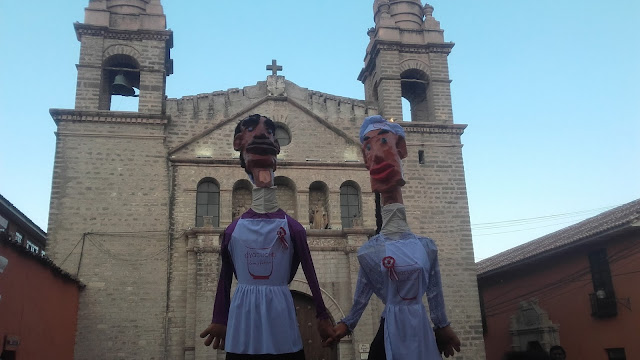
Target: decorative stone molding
{"type": "Point", "coordinates": [411, 64]}
{"type": "Point", "coordinates": [426, 128]}
{"type": "Point", "coordinates": [121, 49]}
{"type": "Point", "coordinates": [532, 324]}
{"type": "Point", "coordinates": [107, 33]}
{"type": "Point", "coordinates": [60, 115]}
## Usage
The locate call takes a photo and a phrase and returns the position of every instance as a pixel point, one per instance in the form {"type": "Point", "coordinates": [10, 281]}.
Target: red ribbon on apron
{"type": "Point", "coordinates": [389, 263]}
{"type": "Point", "coordinates": [281, 233]}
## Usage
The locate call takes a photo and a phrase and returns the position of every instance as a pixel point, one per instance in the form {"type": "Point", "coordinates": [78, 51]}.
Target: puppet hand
{"type": "Point", "coordinates": [341, 330]}
{"type": "Point", "coordinates": [447, 341]}
{"type": "Point", "coordinates": [215, 333]}
{"type": "Point", "coordinates": [325, 328]}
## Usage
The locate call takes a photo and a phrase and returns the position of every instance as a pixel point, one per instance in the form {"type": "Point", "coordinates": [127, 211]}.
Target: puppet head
{"type": "Point", "coordinates": [255, 138]}
{"type": "Point", "coordinates": [383, 148]}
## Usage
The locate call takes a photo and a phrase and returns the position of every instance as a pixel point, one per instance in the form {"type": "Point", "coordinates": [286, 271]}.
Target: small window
{"type": "Point", "coordinates": [3, 223]}
{"type": "Point", "coordinates": [616, 354]}
{"type": "Point", "coordinates": [32, 247]}
{"type": "Point", "coordinates": [421, 156]}
{"type": "Point", "coordinates": [42, 253]}
{"type": "Point", "coordinates": [18, 238]}
{"type": "Point", "coordinates": [282, 134]}
{"type": "Point", "coordinates": [603, 298]}
{"type": "Point", "coordinates": [349, 206]}
{"type": "Point", "coordinates": [208, 204]}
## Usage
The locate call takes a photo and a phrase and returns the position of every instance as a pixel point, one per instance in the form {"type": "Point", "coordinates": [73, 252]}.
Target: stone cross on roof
{"type": "Point", "coordinates": [274, 67]}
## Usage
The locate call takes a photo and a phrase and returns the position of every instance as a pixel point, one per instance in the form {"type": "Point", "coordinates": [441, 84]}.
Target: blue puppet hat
{"type": "Point", "coordinates": [377, 122]}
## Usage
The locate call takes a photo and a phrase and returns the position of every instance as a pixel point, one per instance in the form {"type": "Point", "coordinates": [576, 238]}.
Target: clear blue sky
{"type": "Point", "coordinates": [550, 91]}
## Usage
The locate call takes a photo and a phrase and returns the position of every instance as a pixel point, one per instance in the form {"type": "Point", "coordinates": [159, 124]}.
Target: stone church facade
{"type": "Point", "coordinates": [139, 198]}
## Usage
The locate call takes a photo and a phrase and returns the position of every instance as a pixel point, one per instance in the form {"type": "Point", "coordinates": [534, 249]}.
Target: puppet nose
{"type": "Point", "coordinates": [378, 157]}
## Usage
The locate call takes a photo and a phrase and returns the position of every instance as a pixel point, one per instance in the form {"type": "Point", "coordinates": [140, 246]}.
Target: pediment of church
{"type": "Point", "coordinates": [312, 139]}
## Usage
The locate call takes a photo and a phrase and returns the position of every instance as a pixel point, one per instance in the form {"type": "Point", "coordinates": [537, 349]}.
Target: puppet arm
{"type": "Point", "coordinates": [360, 301]}
{"type": "Point", "coordinates": [446, 338]}
{"type": "Point", "coordinates": [216, 331]}
{"type": "Point", "coordinates": [299, 238]}
{"type": "Point", "coordinates": [325, 327]}
{"type": "Point", "coordinates": [435, 295]}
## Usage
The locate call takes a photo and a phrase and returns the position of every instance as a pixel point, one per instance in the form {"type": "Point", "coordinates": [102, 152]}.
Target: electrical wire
{"type": "Point", "coordinates": [547, 292]}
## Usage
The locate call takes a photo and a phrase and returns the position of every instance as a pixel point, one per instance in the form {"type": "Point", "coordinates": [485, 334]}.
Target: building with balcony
{"type": "Point", "coordinates": [21, 229]}
{"type": "Point", "coordinates": [576, 287]}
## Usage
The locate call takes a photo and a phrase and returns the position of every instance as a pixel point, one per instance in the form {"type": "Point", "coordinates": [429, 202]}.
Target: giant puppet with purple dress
{"type": "Point", "coordinates": [263, 248]}
{"type": "Point", "coordinates": [397, 265]}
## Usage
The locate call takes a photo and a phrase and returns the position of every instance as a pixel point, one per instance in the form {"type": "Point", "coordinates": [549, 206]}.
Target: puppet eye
{"type": "Point", "coordinates": [250, 129]}
{"type": "Point", "coordinates": [368, 147]}
{"type": "Point", "coordinates": [384, 140]}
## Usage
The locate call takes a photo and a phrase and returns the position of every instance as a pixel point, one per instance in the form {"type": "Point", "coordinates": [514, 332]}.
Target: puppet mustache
{"type": "Point", "coordinates": [263, 147]}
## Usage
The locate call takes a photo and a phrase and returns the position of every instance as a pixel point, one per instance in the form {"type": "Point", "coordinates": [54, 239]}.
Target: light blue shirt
{"type": "Point", "coordinates": [372, 278]}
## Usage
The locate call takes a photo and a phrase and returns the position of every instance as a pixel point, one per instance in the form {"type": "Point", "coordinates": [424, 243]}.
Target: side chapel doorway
{"type": "Point", "coordinates": [308, 324]}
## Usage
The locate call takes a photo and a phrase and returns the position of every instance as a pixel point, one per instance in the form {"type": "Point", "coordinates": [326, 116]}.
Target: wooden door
{"type": "Point", "coordinates": [308, 324]}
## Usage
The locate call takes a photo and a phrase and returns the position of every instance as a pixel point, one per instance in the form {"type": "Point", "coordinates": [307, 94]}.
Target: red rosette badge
{"type": "Point", "coordinates": [389, 263]}
{"type": "Point", "coordinates": [281, 233]}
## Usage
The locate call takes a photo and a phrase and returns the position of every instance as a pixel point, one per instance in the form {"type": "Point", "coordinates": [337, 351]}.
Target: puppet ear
{"type": "Point", "coordinates": [364, 156]}
{"type": "Point", "coordinates": [237, 141]}
{"type": "Point", "coordinates": [401, 145]}
{"type": "Point", "coordinates": [277, 143]}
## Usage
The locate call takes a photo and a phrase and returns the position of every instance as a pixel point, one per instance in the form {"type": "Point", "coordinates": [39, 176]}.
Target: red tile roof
{"type": "Point", "coordinates": [615, 219]}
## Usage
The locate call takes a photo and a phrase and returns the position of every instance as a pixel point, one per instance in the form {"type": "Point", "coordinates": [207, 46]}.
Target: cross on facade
{"type": "Point", "coordinates": [274, 67]}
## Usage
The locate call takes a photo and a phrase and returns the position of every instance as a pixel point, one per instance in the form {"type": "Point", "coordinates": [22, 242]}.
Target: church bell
{"type": "Point", "coordinates": [121, 86]}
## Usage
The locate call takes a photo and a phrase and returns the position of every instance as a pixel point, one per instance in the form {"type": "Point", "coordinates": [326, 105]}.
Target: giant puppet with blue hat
{"type": "Point", "coordinates": [396, 264]}
{"type": "Point", "coordinates": [263, 249]}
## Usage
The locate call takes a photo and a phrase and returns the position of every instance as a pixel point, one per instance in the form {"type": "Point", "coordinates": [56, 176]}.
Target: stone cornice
{"type": "Point", "coordinates": [429, 128]}
{"type": "Point", "coordinates": [205, 239]}
{"type": "Point", "coordinates": [135, 35]}
{"type": "Point", "coordinates": [60, 115]}
{"type": "Point", "coordinates": [380, 45]}
{"type": "Point", "coordinates": [281, 163]}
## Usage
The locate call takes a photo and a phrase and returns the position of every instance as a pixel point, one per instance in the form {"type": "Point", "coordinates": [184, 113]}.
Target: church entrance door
{"type": "Point", "coordinates": [308, 324]}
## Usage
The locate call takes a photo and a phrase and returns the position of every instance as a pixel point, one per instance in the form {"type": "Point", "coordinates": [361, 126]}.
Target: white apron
{"type": "Point", "coordinates": [407, 330]}
{"type": "Point", "coordinates": [262, 318]}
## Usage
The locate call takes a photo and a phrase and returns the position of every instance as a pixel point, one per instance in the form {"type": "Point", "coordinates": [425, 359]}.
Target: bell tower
{"type": "Point", "coordinates": [109, 210]}
{"type": "Point", "coordinates": [125, 51]}
{"type": "Point", "coordinates": [407, 58]}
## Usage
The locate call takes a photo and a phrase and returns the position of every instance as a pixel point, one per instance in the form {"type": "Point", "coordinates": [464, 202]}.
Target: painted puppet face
{"type": "Point", "coordinates": [255, 139]}
{"type": "Point", "coordinates": [383, 152]}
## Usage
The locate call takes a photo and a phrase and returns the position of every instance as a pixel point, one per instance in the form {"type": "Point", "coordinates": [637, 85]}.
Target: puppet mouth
{"type": "Point", "coordinates": [382, 171]}
{"type": "Point", "coordinates": [262, 147]}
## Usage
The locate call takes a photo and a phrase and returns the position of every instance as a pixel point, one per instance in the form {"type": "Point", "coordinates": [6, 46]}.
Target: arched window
{"type": "Point", "coordinates": [414, 86]}
{"type": "Point", "coordinates": [286, 194]}
{"type": "Point", "coordinates": [283, 134]}
{"type": "Point", "coordinates": [319, 205]}
{"type": "Point", "coordinates": [208, 203]}
{"type": "Point", "coordinates": [350, 213]}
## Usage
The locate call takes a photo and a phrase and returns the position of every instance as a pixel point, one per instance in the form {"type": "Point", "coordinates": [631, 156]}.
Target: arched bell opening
{"type": "Point", "coordinates": [120, 83]}
{"type": "Point", "coordinates": [414, 86]}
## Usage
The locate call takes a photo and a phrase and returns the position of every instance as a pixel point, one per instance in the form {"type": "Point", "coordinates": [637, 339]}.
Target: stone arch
{"type": "Point", "coordinates": [334, 309]}
{"type": "Point", "coordinates": [240, 198]}
{"type": "Point", "coordinates": [319, 207]}
{"type": "Point", "coordinates": [287, 195]}
{"type": "Point", "coordinates": [121, 49]}
{"type": "Point", "coordinates": [410, 64]}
